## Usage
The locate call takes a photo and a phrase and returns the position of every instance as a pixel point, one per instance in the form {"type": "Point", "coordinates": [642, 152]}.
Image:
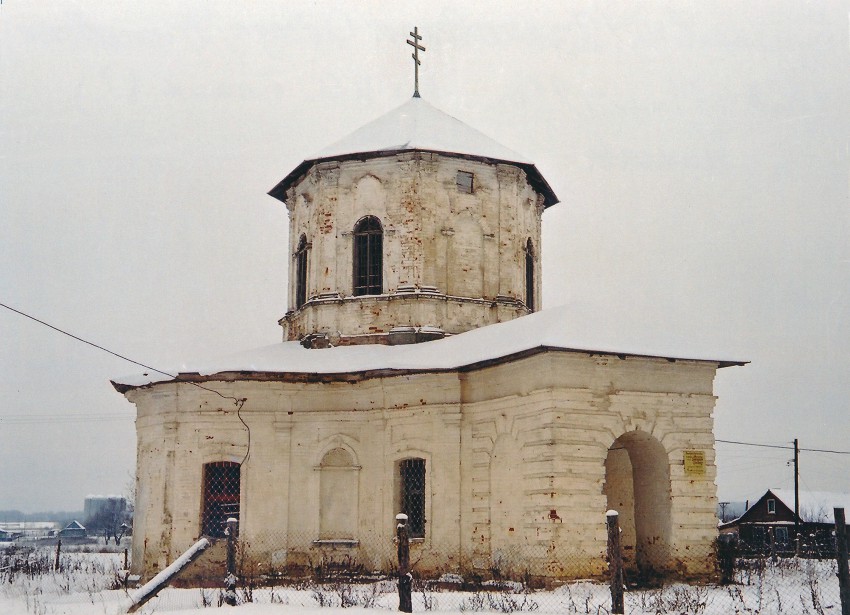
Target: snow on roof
{"type": "Point", "coordinates": [418, 125]}
{"type": "Point", "coordinates": [815, 506]}
{"type": "Point", "coordinates": [553, 328]}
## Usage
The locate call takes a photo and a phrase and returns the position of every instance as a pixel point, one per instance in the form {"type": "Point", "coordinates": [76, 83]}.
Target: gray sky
{"type": "Point", "coordinates": [700, 151]}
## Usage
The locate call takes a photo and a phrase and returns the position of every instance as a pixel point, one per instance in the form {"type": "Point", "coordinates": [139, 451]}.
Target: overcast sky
{"type": "Point", "coordinates": [700, 152]}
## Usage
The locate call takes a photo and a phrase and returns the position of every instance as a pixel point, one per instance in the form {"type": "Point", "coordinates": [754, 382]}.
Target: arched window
{"type": "Point", "coordinates": [529, 275]}
{"type": "Point", "coordinates": [368, 257]}
{"type": "Point", "coordinates": [301, 273]}
{"type": "Point", "coordinates": [338, 496]}
{"type": "Point", "coordinates": [221, 497]}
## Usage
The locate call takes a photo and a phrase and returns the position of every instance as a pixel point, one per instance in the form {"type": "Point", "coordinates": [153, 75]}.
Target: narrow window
{"type": "Point", "coordinates": [529, 275]}
{"type": "Point", "coordinates": [301, 273]}
{"type": "Point", "coordinates": [368, 257]}
{"type": "Point", "coordinates": [221, 497]}
{"type": "Point", "coordinates": [412, 496]}
{"type": "Point", "coordinates": [771, 507]}
{"type": "Point", "coordinates": [782, 535]}
{"type": "Point", "coordinates": [464, 182]}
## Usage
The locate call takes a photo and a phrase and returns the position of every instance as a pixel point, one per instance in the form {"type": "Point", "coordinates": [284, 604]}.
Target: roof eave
{"type": "Point", "coordinates": [535, 178]}
{"type": "Point", "coordinates": [355, 376]}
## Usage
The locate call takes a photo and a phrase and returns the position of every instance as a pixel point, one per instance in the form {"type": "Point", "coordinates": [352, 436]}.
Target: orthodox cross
{"type": "Point", "coordinates": [416, 49]}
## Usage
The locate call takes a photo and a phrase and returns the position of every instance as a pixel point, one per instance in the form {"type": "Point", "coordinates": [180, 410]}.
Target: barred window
{"type": "Point", "coordinates": [412, 495]}
{"type": "Point", "coordinates": [368, 257]}
{"type": "Point", "coordinates": [301, 273]}
{"type": "Point", "coordinates": [529, 275]}
{"type": "Point", "coordinates": [221, 497]}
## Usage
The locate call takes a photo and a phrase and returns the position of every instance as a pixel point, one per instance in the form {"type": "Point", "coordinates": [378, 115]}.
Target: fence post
{"type": "Point", "coordinates": [615, 561]}
{"type": "Point", "coordinates": [405, 600]}
{"type": "Point", "coordinates": [58, 549]}
{"type": "Point", "coordinates": [841, 557]}
{"type": "Point", "coordinates": [727, 548]}
{"type": "Point", "coordinates": [230, 580]}
{"type": "Point", "coordinates": [126, 570]}
{"type": "Point", "coordinates": [772, 537]}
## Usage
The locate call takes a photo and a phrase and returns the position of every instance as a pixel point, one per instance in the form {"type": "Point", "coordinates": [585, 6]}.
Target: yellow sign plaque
{"type": "Point", "coordinates": [695, 463]}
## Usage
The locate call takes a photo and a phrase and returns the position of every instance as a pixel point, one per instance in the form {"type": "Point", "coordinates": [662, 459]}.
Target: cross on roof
{"type": "Point", "coordinates": [416, 49]}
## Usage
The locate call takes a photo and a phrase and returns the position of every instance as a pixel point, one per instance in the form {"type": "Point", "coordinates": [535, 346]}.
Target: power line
{"type": "Point", "coordinates": [239, 402]}
{"type": "Point", "coordinates": [35, 419]}
{"type": "Point", "coordinates": [79, 339]}
{"type": "Point", "coordinates": [120, 356]}
{"type": "Point", "coordinates": [790, 448]}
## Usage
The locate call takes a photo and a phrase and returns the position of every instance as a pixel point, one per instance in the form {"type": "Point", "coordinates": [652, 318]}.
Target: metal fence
{"type": "Point", "coordinates": [736, 581]}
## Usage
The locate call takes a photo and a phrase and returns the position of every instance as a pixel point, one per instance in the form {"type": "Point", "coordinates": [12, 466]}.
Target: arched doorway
{"type": "Point", "coordinates": [637, 485]}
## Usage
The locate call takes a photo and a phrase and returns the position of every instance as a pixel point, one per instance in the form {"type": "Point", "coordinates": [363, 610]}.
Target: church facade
{"type": "Point", "coordinates": [419, 375]}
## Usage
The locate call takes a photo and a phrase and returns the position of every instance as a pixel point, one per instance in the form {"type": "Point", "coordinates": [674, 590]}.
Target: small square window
{"type": "Point", "coordinates": [771, 507]}
{"type": "Point", "coordinates": [464, 182]}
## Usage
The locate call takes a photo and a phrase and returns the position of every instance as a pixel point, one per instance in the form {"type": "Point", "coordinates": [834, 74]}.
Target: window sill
{"type": "Point", "coordinates": [336, 542]}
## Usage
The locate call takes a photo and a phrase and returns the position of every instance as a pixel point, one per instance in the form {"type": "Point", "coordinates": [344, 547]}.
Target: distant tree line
{"type": "Point", "coordinates": [61, 516]}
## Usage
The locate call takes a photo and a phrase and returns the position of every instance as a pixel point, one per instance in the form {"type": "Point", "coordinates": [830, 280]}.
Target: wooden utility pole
{"type": "Point", "coordinates": [841, 557]}
{"type": "Point", "coordinates": [723, 506]}
{"type": "Point", "coordinates": [405, 600]}
{"type": "Point", "coordinates": [796, 497]}
{"type": "Point", "coordinates": [615, 561]}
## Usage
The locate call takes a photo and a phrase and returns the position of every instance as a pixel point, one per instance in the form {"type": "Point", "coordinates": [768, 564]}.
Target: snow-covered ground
{"type": "Point", "coordinates": [83, 587]}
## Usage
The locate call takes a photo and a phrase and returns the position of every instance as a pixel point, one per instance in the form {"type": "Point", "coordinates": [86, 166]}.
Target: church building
{"type": "Point", "coordinates": [418, 374]}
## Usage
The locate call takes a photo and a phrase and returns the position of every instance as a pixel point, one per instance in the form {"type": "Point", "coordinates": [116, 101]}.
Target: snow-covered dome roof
{"type": "Point", "coordinates": [418, 126]}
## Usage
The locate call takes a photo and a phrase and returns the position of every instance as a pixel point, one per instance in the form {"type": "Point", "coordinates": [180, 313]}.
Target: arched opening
{"type": "Point", "coordinates": [368, 257]}
{"type": "Point", "coordinates": [637, 485]}
{"type": "Point", "coordinates": [338, 515]}
{"type": "Point", "coordinates": [301, 272]}
{"type": "Point", "coordinates": [529, 275]}
{"type": "Point", "coordinates": [221, 497]}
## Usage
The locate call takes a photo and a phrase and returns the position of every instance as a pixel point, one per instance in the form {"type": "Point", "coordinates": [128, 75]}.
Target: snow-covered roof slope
{"type": "Point", "coordinates": [418, 126]}
{"type": "Point", "coordinates": [815, 506]}
{"type": "Point", "coordinates": [552, 328]}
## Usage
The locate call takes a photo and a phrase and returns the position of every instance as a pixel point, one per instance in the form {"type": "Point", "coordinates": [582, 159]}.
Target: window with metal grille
{"type": "Point", "coordinates": [465, 182]}
{"type": "Point", "coordinates": [221, 497]}
{"type": "Point", "coordinates": [529, 275]}
{"type": "Point", "coordinates": [368, 257]}
{"type": "Point", "coordinates": [301, 273]}
{"type": "Point", "coordinates": [412, 496]}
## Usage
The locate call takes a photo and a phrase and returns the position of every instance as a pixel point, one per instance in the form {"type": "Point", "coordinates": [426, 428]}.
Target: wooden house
{"type": "Point", "coordinates": [770, 525]}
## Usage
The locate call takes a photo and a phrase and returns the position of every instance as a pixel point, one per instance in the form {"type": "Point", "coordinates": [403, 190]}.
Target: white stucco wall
{"type": "Point", "coordinates": [515, 457]}
{"type": "Point", "coordinates": [466, 250]}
